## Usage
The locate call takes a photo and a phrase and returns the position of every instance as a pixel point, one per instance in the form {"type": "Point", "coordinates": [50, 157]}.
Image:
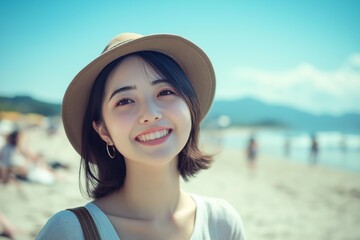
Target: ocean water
{"type": "Point", "coordinates": [336, 149]}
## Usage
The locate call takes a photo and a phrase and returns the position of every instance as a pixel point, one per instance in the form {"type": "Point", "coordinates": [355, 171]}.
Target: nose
{"type": "Point", "coordinates": [150, 113]}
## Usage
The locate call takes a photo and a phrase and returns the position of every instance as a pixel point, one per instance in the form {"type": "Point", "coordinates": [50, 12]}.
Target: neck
{"type": "Point", "coordinates": [150, 192]}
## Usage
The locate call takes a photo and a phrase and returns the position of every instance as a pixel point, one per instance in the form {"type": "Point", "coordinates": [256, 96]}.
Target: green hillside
{"type": "Point", "coordinates": [26, 104]}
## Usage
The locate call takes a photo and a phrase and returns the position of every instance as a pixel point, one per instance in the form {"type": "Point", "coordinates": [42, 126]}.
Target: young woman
{"type": "Point", "coordinates": [133, 115]}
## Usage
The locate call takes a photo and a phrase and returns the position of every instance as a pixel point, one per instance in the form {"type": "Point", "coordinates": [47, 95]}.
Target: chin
{"type": "Point", "coordinates": [155, 159]}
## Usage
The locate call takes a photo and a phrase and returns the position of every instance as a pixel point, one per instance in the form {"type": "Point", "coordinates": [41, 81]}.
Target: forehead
{"type": "Point", "coordinates": [131, 69]}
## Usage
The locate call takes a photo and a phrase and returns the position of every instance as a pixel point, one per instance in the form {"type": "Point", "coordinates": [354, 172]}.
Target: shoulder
{"type": "Point", "coordinates": [220, 210]}
{"type": "Point", "coordinates": [62, 225]}
{"type": "Point", "coordinates": [222, 217]}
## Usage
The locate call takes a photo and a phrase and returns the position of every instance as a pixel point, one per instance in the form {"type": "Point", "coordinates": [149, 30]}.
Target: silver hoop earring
{"type": "Point", "coordinates": [108, 151]}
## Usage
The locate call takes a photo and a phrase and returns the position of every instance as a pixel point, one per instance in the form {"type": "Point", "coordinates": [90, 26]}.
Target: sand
{"type": "Point", "coordinates": [279, 199]}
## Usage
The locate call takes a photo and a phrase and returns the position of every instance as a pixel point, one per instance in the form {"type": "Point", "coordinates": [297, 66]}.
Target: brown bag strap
{"type": "Point", "coordinates": [87, 223]}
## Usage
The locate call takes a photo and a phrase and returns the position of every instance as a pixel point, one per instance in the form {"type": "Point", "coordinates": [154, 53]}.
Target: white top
{"type": "Point", "coordinates": [6, 156]}
{"type": "Point", "coordinates": [215, 219]}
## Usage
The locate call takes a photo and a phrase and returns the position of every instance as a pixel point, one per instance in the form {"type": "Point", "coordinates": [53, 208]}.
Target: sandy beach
{"type": "Point", "coordinates": [281, 199]}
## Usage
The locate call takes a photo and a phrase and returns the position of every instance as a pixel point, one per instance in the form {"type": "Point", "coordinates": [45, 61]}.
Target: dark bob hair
{"type": "Point", "coordinates": [104, 175]}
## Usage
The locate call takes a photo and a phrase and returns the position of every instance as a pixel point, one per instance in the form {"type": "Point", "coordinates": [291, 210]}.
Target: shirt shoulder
{"type": "Point", "coordinates": [223, 219]}
{"type": "Point", "coordinates": [63, 225]}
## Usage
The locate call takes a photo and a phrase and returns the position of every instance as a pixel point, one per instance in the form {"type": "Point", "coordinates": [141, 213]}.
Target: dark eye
{"type": "Point", "coordinates": [166, 92]}
{"type": "Point", "coordinates": [124, 101]}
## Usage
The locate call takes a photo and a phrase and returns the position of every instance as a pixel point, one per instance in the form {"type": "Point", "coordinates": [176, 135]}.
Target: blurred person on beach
{"type": "Point", "coordinates": [287, 147]}
{"type": "Point", "coordinates": [7, 228]}
{"type": "Point", "coordinates": [314, 149]}
{"type": "Point", "coordinates": [7, 161]}
{"type": "Point", "coordinates": [343, 145]}
{"type": "Point", "coordinates": [18, 162]}
{"type": "Point", "coordinates": [251, 152]}
{"type": "Point", "coordinates": [133, 114]}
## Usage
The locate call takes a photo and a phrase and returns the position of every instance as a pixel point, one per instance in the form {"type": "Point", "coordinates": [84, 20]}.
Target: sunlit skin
{"type": "Point", "coordinates": [149, 123]}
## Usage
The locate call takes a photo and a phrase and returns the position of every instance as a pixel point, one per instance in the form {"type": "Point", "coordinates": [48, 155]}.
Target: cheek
{"type": "Point", "coordinates": [183, 116]}
{"type": "Point", "coordinates": [119, 125]}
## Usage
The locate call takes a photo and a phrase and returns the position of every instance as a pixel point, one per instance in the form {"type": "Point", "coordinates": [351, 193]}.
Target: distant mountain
{"type": "Point", "coordinates": [252, 112]}
{"type": "Point", "coordinates": [26, 104]}
{"type": "Point", "coordinates": [241, 112]}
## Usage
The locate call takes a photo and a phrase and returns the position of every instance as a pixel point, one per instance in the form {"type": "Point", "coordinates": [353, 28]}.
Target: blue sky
{"type": "Point", "coordinates": [305, 54]}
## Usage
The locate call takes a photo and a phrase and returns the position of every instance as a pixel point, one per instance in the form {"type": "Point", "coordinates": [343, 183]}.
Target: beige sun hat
{"type": "Point", "coordinates": [190, 57]}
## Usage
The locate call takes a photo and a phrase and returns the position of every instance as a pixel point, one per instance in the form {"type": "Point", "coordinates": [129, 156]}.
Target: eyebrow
{"type": "Point", "coordinates": [158, 81]}
{"type": "Point", "coordinates": [128, 88]}
{"type": "Point", "coordinates": [122, 89]}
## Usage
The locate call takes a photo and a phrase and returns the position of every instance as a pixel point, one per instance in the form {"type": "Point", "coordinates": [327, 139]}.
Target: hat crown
{"type": "Point", "coordinates": [121, 39]}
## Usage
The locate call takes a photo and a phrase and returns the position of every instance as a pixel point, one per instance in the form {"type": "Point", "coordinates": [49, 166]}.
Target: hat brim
{"type": "Point", "coordinates": [190, 57]}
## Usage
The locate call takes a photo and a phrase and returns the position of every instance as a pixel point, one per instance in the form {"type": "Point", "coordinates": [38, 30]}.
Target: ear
{"type": "Point", "coordinates": [101, 129]}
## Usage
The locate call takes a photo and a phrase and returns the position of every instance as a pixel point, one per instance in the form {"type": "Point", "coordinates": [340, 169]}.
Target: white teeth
{"type": "Point", "coordinates": [153, 135]}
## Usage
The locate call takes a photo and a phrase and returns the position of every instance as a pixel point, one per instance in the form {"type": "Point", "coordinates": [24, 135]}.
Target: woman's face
{"type": "Point", "coordinates": [143, 116]}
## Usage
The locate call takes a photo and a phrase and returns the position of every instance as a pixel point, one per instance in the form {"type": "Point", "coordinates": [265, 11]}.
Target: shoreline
{"type": "Point", "coordinates": [334, 151]}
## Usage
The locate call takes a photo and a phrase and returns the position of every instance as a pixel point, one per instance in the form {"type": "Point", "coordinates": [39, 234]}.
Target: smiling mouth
{"type": "Point", "coordinates": [153, 135]}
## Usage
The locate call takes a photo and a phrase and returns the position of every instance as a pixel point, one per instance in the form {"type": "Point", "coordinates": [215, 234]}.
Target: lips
{"type": "Point", "coordinates": [153, 135]}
